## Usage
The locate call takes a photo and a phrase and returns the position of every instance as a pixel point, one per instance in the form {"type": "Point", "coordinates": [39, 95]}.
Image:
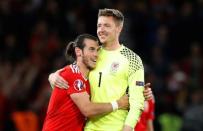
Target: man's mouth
{"type": "Point", "coordinates": [93, 60]}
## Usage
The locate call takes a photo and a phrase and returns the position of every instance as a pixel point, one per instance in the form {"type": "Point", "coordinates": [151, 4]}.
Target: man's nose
{"type": "Point", "coordinates": [96, 54]}
{"type": "Point", "coordinates": [101, 28]}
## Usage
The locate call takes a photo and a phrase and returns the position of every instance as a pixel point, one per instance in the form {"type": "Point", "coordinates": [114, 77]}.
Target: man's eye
{"type": "Point", "coordinates": [107, 25]}
{"type": "Point", "coordinates": [92, 49]}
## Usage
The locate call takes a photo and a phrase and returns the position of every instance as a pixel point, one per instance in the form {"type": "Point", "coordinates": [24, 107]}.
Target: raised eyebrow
{"type": "Point", "coordinates": [92, 48]}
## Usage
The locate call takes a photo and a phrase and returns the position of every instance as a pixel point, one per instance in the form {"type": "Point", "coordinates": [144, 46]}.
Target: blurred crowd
{"type": "Point", "coordinates": [166, 34]}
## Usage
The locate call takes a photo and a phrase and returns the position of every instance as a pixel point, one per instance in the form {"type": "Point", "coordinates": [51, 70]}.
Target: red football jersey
{"type": "Point", "coordinates": [147, 114]}
{"type": "Point", "coordinates": [62, 113]}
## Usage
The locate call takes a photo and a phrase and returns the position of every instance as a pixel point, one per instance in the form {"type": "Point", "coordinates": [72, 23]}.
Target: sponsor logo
{"type": "Point", "coordinates": [139, 83]}
{"type": "Point", "coordinates": [79, 85]}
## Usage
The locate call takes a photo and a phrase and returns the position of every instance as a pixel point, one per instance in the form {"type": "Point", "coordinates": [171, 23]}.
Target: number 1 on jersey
{"type": "Point", "coordinates": [100, 75]}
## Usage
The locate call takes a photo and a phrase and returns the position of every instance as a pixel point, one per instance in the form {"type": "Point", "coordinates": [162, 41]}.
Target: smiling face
{"type": "Point", "coordinates": [107, 29]}
{"type": "Point", "coordinates": [90, 53]}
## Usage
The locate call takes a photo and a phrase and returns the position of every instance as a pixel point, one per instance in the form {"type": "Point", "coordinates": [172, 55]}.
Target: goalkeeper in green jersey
{"type": "Point", "coordinates": [118, 70]}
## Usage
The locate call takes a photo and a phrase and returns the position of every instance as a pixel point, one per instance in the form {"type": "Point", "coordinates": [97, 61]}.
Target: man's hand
{"type": "Point", "coordinates": [147, 92]}
{"type": "Point", "coordinates": [56, 80]}
{"type": "Point", "coordinates": [123, 102]}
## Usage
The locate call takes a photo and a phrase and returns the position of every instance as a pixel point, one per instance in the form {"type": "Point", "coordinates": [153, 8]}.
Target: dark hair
{"type": "Point", "coordinates": [116, 14]}
{"type": "Point", "coordinates": [78, 42]}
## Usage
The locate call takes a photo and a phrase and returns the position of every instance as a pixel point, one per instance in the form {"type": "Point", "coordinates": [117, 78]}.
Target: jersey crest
{"type": "Point", "coordinates": [79, 85]}
{"type": "Point", "coordinates": [114, 67]}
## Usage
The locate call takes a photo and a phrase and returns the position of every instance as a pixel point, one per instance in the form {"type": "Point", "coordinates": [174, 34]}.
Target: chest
{"type": "Point", "coordinates": [112, 64]}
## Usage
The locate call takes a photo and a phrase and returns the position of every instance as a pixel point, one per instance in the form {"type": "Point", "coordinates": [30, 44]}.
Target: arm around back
{"type": "Point", "coordinates": [90, 109]}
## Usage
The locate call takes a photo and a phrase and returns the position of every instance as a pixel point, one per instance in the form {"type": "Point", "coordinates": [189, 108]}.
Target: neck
{"type": "Point", "coordinates": [111, 45]}
{"type": "Point", "coordinates": [83, 69]}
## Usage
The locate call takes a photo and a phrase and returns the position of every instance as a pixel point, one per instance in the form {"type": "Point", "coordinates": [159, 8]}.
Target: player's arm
{"type": "Point", "coordinates": [151, 116]}
{"type": "Point", "coordinates": [89, 109]}
{"type": "Point", "coordinates": [56, 80]}
{"type": "Point", "coordinates": [136, 97]}
{"type": "Point", "coordinates": [150, 126]}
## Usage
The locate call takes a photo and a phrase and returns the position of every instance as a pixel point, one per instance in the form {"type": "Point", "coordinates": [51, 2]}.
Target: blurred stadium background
{"type": "Point", "coordinates": [167, 34]}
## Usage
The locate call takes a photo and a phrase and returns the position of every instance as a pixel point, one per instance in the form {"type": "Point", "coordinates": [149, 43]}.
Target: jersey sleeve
{"type": "Point", "coordinates": [136, 88]}
{"type": "Point", "coordinates": [151, 109]}
{"type": "Point", "coordinates": [75, 82]}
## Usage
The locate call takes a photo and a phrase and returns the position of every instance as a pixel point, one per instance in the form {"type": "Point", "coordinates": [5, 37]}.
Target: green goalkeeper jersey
{"type": "Point", "coordinates": [116, 72]}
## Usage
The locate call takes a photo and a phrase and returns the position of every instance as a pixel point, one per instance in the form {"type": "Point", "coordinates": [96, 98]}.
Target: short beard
{"type": "Point", "coordinates": [84, 60]}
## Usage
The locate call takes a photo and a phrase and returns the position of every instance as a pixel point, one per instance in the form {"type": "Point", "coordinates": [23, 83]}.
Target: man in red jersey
{"type": "Point", "coordinates": [145, 122]}
{"type": "Point", "coordinates": [68, 109]}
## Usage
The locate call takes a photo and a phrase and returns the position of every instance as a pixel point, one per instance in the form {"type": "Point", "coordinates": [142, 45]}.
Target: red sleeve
{"type": "Point", "coordinates": [75, 81]}
{"type": "Point", "coordinates": [151, 109]}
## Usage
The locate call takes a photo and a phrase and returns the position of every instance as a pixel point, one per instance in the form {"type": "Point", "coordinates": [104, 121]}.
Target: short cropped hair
{"type": "Point", "coordinates": [116, 14]}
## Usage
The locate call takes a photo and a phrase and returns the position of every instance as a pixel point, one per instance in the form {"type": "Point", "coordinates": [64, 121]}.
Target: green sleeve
{"type": "Point", "coordinates": [136, 99]}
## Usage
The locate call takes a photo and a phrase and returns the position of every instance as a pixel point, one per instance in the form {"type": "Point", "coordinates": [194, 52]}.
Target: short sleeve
{"type": "Point", "coordinates": [75, 81]}
{"type": "Point", "coordinates": [151, 109]}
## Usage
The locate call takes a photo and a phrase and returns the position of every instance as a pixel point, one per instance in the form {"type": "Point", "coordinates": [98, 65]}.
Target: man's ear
{"type": "Point", "coordinates": [78, 52]}
{"type": "Point", "coordinates": [120, 27]}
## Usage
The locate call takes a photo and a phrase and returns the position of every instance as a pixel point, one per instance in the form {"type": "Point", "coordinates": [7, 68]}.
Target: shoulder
{"type": "Point", "coordinates": [70, 71]}
{"type": "Point", "coordinates": [134, 59]}
{"type": "Point", "coordinates": [129, 54]}
{"type": "Point", "coordinates": [74, 69]}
